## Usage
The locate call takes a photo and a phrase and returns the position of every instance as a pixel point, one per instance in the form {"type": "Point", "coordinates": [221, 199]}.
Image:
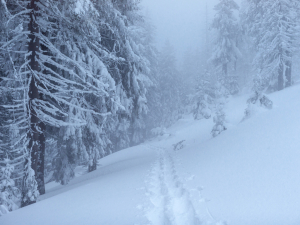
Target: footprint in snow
{"type": "Point", "coordinates": [170, 201]}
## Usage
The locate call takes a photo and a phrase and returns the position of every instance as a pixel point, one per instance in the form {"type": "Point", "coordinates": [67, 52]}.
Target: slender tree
{"type": "Point", "coordinates": [225, 49]}
{"type": "Point", "coordinates": [203, 99]}
{"type": "Point", "coordinates": [171, 100]}
{"type": "Point", "coordinates": [219, 119]}
{"type": "Point", "coordinates": [272, 24]}
{"type": "Point", "coordinates": [37, 127]}
{"type": "Point", "coordinates": [8, 191]}
{"type": "Point", "coordinates": [227, 31]}
{"type": "Point", "coordinates": [53, 61]}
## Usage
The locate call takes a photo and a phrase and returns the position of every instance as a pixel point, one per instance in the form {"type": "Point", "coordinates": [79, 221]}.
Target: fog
{"type": "Point", "coordinates": [182, 22]}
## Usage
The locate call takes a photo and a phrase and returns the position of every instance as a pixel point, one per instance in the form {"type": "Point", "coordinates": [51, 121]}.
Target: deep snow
{"type": "Point", "coordinates": [248, 175]}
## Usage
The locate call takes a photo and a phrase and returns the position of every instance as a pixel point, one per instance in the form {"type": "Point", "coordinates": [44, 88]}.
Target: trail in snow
{"type": "Point", "coordinates": [170, 201]}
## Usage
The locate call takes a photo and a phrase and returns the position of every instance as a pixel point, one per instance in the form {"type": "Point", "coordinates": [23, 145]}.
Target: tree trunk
{"type": "Point", "coordinates": [224, 70]}
{"type": "Point", "coordinates": [40, 173]}
{"type": "Point", "coordinates": [288, 74]}
{"type": "Point", "coordinates": [93, 167]}
{"type": "Point", "coordinates": [36, 135]}
{"type": "Point", "coordinates": [280, 77]}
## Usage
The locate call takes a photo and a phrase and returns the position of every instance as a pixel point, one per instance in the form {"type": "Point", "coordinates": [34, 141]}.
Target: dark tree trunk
{"type": "Point", "coordinates": [41, 160]}
{"type": "Point", "coordinates": [235, 65]}
{"type": "Point", "coordinates": [36, 134]}
{"type": "Point", "coordinates": [93, 166]}
{"type": "Point", "coordinates": [280, 77]}
{"type": "Point", "coordinates": [288, 74]}
{"type": "Point", "coordinates": [224, 70]}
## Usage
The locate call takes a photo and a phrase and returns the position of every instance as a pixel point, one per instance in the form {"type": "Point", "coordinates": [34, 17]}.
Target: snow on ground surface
{"type": "Point", "coordinates": [248, 175]}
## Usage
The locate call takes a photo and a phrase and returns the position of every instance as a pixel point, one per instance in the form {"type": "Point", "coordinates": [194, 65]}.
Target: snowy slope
{"type": "Point", "coordinates": [251, 172]}
{"type": "Point", "coordinates": [249, 175]}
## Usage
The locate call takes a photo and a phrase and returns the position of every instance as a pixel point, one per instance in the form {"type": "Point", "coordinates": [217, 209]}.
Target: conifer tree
{"type": "Point", "coordinates": [130, 68]}
{"type": "Point", "coordinates": [76, 73]}
{"type": "Point", "coordinates": [203, 99]}
{"type": "Point", "coordinates": [220, 117]}
{"type": "Point", "coordinates": [169, 86]}
{"type": "Point", "coordinates": [273, 27]}
{"type": "Point", "coordinates": [9, 194]}
{"type": "Point", "coordinates": [225, 49]}
{"type": "Point", "coordinates": [258, 99]}
{"type": "Point", "coordinates": [63, 60]}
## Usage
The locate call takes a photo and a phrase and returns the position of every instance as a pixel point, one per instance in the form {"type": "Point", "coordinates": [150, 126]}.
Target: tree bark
{"type": "Point", "coordinates": [280, 77]}
{"type": "Point", "coordinates": [36, 134]}
{"type": "Point", "coordinates": [40, 174]}
{"type": "Point", "coordinates": [288, 74]}
{"type": "Point", "coordinates": [225, 70]}
{"type": "Point", "coordinates": [93, 167]}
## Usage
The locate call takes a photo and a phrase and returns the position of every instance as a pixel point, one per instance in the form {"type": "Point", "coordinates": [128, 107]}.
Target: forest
{"type": "Point", "coordinates": [81, 80]}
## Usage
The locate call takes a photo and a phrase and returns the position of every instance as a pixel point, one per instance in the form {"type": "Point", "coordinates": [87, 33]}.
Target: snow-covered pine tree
{"type": "Point", "coordinates": [123, 38]}
{"type": "Point", "coordinates": [113, 31]}
{"type": "Point", "coordinates": [30, 191]}
{"type": "Point", "coordinates": [9, 147]}
{"type": "Point", "coordinates": [192, 65]}
{"type": "Point", "coordinates": [9, 194]}
{"type": "Point", "coordinates": [219, 120]}
{"type": "Point", "coordinates": [273, 27]}
{"type": "Point", "coordinates": [193, 69]}
{"type": "Point", "coordinates": [11, 123]}
{"type": "Point", "coordinates": [258, 99]}
{"type": "Point", "coordinates": [50, 153]}
{"type": "Point", "coordinates": [78, 41]}
{"type": "Point", "coordinates": [204, 98]}
{"type": "Point", "coordinates": [14, 127]}
{"type": "Point", "coordinates": [82, 141]}
{"type": "Point", "coordinates": [220, 117]}
{"type": "Point", "coordinates": [149, 51]}
{"type": "Point", "coordinates": [225, 50]}
{"type": "Point", "coordinates": [169, 86]}
{"type": "Point", "coordinates": [58, 65]}
{"type": "Point", "coordinates": [70, 148]}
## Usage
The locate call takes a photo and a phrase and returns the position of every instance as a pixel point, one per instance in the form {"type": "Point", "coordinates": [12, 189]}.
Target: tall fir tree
{"type": "Point", "coordinates": [8, 191]}
{"type": "Point", "coordinates": [75, 81]}
{"type": "Point", "coordinates": [204, 97]}
{"type": "Point", "coordinates": [169, 86]}
{"type": "Point", "coordinates": [63, 61]}
{"type": "Point", "coordinates": [225, 50]}
{"type": "Point", "coordinates": [273, 27]}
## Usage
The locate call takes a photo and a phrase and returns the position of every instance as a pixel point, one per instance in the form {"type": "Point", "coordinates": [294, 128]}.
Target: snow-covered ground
{"type": "Point", "coordinates": [248, 175]}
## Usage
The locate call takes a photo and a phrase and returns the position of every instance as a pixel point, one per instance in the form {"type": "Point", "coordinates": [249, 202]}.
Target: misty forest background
{"type": "Point", "coordinates": [82, 79]}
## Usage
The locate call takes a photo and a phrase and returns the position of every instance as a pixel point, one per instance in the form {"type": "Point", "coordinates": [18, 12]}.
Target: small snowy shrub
{"type": "Point", "coordinates": [179, 145]}
{"type": "Point", "coordinates": [232, 85]}
{"type": "Point", "coordinates": [203, 100]}
{"type": "Point", "coordinates": [30, 192]}
{"type": "Point", "coordinates": [219, 120]}
{"type": "Point", "coordinates": [158, 131]}
{"type": "Point", "coordinates": [257, 101]}
{"type": "Point", "coordinates": [202, 109]}
{"type": "Point", "coordinates": [221, 95]}
{"type": "Point", "coordinates": [9, 194]}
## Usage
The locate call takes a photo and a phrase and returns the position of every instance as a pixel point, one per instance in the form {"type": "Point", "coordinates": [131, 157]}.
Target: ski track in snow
{"type": "Point", "coordinates": [170, 201]}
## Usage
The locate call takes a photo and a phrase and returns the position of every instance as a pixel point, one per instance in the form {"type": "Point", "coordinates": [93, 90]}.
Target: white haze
{"type": "Point", "coordinates": [182, 22]}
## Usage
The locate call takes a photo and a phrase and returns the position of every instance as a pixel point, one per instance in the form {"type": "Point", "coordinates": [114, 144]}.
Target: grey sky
{"type": "Point", "coordinates": [180, 21]}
